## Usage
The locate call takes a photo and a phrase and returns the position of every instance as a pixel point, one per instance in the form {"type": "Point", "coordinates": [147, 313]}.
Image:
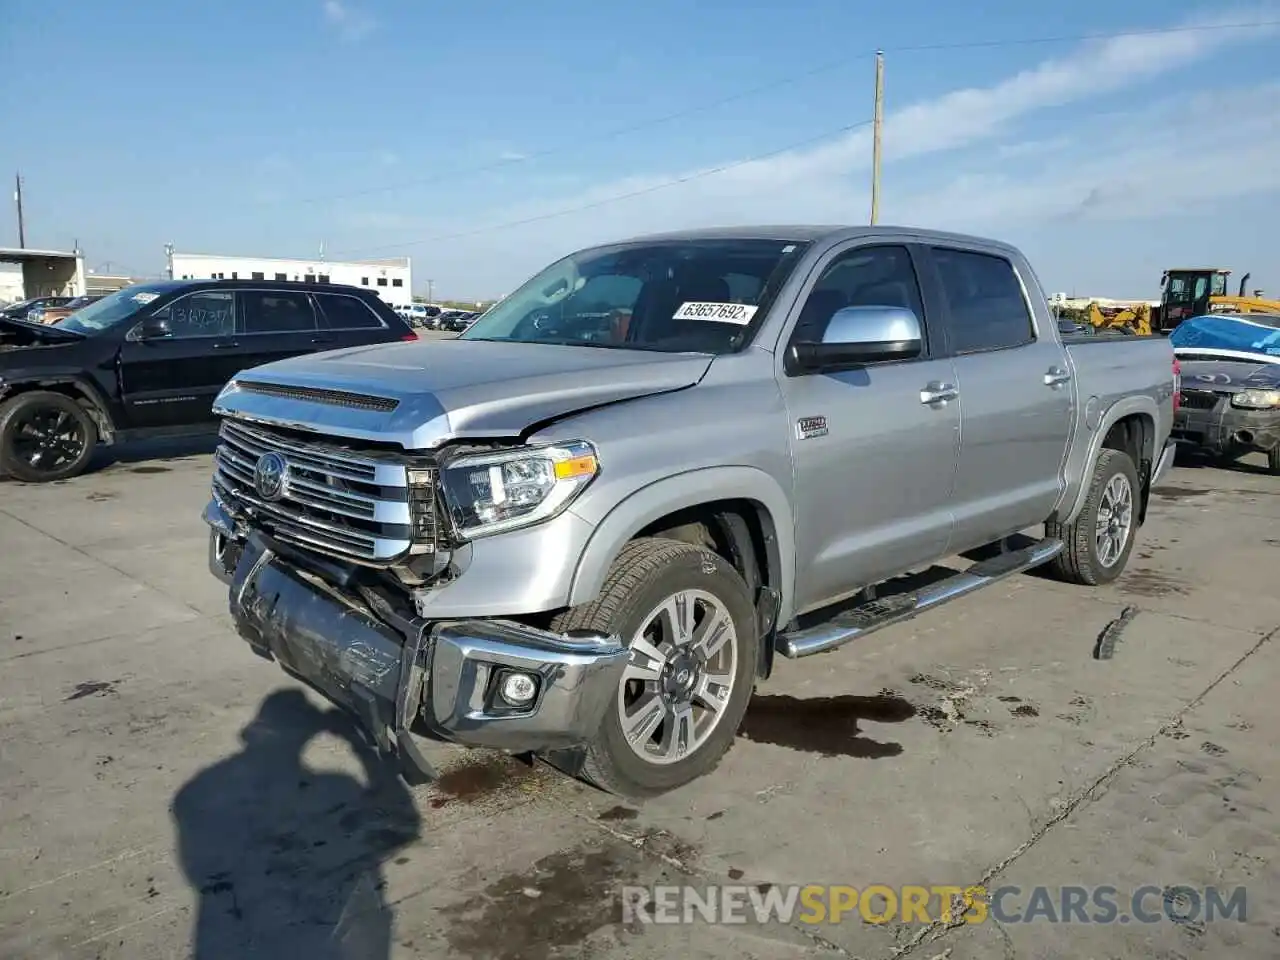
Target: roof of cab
{"type": "Point", "coordinates": [804, 233]}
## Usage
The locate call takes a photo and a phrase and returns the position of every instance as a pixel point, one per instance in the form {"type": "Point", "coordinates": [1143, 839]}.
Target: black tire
{"type": "Point", "coordinates": [1079, 561]}
{"type": "Point", "coordinates": [647, 572]}
{"type": "Point", "coordinates": [1273, 460]}
{"type": "Point", "coordinates": [73, 442]}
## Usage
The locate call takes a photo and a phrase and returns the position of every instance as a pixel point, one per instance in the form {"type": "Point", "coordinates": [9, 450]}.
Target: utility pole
{"type": "Point", "coordinates": [431, 291]}
{"type": "Point", "coordinates": [17, 198]}
{"type": "Point", "coordinates": [877, 127]}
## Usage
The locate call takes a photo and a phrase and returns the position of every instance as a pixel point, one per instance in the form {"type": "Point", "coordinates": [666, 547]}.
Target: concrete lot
{"type": "Point", "coordinates": [165, 793]}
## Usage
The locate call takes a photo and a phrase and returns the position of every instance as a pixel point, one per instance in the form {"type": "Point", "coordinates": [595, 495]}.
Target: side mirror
{"type": "Point", "coordinates": [154, 327]}
{"type": "Point", "coordinates": [858, 335]}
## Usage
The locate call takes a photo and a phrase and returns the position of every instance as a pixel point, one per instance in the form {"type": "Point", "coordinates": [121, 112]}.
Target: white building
{"type": "Point", "coordinates": [391, 279]}
{"type": "Point", "coordinates": [41, 273]}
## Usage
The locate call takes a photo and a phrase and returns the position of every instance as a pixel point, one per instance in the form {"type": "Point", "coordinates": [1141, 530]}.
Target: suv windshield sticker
{"type": "Point", "coordinates": [144, 297]}
{"type": "Point", "coordinates": [740, 313]}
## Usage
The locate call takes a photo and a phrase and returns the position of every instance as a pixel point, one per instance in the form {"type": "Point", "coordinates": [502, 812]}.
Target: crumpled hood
{"type": "Point", "coordinates": [19, 338]}
{"type": "Point", "coordinates": [419, 395]}
{"type": "Point", "coordinates": [1229, 375]}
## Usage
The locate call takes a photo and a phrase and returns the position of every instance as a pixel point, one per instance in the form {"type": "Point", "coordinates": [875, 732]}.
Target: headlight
{"type": "Point", "coordinates": [1256, 399]}
{"type": "Point", "coordinates": [494, 492]}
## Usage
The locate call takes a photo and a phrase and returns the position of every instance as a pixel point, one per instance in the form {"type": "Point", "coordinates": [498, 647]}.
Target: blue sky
{"type": "Point", "coordinates": [399, 127]}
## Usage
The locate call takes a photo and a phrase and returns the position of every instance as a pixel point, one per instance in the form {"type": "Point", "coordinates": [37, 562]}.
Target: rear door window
{"type": "Point", "coordinates": [271, 311]}
{"type": "Point", "coordinates": [342, 312]}
{"type": "Point", "coordinates": [987, 305]}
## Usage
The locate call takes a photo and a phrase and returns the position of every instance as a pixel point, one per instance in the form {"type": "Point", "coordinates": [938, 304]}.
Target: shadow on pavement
{"type": "Point", "coordinates": [287, 861]}
{"type": "Point", "coordinates": [152, 451]}
{"type": "Point", "coordinates": [1199, 459]}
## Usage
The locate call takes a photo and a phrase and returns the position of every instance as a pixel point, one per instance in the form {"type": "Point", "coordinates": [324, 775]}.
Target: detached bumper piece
{"type": "Point", "coordinates": [1164, 464]}
{"type": "Point", "coordinates": [482, 683]}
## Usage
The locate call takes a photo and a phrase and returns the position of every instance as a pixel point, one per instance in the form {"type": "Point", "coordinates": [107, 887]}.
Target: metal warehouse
{"type": "Point", "coordinates": [391, 279]}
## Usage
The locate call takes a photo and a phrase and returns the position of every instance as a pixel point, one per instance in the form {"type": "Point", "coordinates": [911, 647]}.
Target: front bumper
{"type": "Point", "coordinates": [407, 679]}
{"type": "Point", "coordinates": [1226, 429]}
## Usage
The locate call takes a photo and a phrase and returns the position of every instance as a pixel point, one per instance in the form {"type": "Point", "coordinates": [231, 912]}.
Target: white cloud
{"type": "Point", "coordinates": [350, 22]}
{"type": "Point", "coordinates": [1113, 165]}
{"type": "Point", "coordinates": [1133, 181]}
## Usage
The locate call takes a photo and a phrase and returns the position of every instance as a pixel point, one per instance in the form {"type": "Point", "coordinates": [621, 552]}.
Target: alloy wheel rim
{"type": "Point", "coordinates": [1115, 520]}
{"type": "Point", "coordinates": [46, 439]}
{"type": "Point", "coordinates": [677, 684]}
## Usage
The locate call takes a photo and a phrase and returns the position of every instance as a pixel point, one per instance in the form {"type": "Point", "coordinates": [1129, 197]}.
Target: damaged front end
{"type": "Point", "coordinates": [346, 626]}
{"type": "Point", "coordinates": [22, 335]}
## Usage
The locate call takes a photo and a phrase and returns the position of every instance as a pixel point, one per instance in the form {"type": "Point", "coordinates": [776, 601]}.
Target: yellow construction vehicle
{"type": "Point", "coordinates": [1133, 318]}
{"type": "Point", "coordinates": [1193, 291]}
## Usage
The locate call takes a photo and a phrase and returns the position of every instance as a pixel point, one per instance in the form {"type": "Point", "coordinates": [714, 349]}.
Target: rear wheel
{"type": "Point", "coordinates": [1098, 542]}
{"type": "Point", "coordinates": [690, 623]}
{"type": "Point", "coordinates": [45, 436]}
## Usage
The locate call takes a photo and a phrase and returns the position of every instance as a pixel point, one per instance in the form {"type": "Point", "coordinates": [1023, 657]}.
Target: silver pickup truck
{"type": "Point", "coordinates": [584, 529]}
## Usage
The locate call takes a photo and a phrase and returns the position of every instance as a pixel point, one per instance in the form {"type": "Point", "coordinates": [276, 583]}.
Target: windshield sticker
{"type": "Point", "coordinates": [144, 297]}
{"type": "Point", "coordinates": [739, 313]}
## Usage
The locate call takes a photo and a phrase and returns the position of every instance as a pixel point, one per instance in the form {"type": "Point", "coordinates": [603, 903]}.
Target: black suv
{"type": "Point", "coordinates": [148, 361]}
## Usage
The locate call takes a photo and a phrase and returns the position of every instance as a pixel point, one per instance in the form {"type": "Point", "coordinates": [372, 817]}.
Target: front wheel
{"type": "Point", "coordinates": [690, 623]}
{"type": "Point", "coordinates": [1098, 542]}
{"type": "Point", "coordinates": [1273, 460]}
{"type": "Point", "coordinates": [45, 436]}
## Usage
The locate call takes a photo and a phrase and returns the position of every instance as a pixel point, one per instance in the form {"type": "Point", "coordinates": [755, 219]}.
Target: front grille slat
{"type": "Point", "coordinates": [335, 501]}
{"type": "Point", "coordinates": [1200, 399]}
{"type": "Point", "coordinates": [334, 463]}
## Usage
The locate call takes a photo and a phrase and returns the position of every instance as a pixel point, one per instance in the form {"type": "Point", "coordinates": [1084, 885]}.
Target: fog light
{"type": "Point", "coordinates": [519, 688]}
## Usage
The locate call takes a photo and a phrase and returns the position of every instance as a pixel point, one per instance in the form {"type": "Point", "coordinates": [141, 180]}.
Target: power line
{"type": "Point", "coordinates": [789, 80]}
{"type": "Point", "coordinates": [617, 198]}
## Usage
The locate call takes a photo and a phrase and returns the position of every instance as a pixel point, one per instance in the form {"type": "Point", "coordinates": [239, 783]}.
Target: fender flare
{"type": "Point", "coordinates": [1125, 407]}
{"type": "Point", "coordinates": [99, 409]}
{"type": "Point", "coordinates": [684, 490]}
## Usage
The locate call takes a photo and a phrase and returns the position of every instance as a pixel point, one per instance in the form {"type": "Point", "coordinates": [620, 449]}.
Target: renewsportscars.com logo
{"type": "Point", "coordinates": [880, 903]}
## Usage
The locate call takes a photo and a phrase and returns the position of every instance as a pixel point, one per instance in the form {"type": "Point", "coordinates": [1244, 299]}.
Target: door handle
{"type": "Point", "coordinates": [938, 393]}
{"type": "Point", "coordinates": [1056, 377]}
{"type": "Point", "coordinates": [226, 344]}
{"type": "Point", "coordinates": [321, 340]}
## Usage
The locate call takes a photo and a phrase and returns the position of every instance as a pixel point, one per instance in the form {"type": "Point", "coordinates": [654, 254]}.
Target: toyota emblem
{"type": "Point", "coordinates": [269, 476]}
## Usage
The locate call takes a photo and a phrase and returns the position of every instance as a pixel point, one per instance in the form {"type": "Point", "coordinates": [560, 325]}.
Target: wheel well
{"type": "Point", "coordinates": [1135, 435]}
{"type": "Point", "coordinates": [742, 532]}
{"type": "Point", "coordinates": [76, 392]}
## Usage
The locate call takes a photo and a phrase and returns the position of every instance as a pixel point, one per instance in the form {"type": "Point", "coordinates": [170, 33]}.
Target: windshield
{"type": "Point", "coordinates": [110, 310]}
{"type": "Point", "coordinates": [675, 296]}
{"type": "Point", "coordinates": [1255, 333]}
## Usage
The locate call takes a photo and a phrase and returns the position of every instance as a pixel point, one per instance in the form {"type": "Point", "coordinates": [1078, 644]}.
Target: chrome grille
{"type": "Point", "coordinates": [334, 500]}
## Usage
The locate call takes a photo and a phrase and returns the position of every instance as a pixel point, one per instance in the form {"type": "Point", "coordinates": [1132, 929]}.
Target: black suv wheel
{"type": "Point", "coordinates": [45, 436]}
